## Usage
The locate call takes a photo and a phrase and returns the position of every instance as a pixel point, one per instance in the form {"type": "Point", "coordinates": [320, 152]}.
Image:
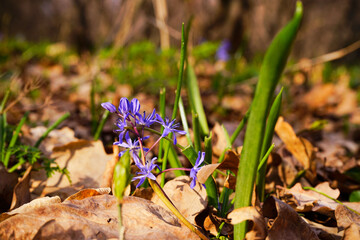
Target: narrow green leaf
{"type": "Point", "coordinates": [52, 127]}
{"type": "Point", "coordinates": [14, 138]}
{"type": "Point", "coordinates": [195, 99]}
{"type": "Point", "coordinates": [240, 127]}
{"type": "Point", "coordinates": [2, 136]}
{"type": "Point", "coordinates": [269, 132]}
{"type": "Point", "coordinates": [196, 131]}
{"type": "Point", "coordinates": [271, 69]}
{"type": "Point", "coordinates": [4, 100]}
{"type": "Point", "coordinates": [184, 121]}
{"type": "Point", "coordinates": [100, 127]}
{"type": "Point", "coordinates": [177, 97]}
{"type": "Point", "coordinates": [211, 188]}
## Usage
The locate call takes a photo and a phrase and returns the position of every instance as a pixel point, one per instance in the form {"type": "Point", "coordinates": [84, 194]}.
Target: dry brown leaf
{"type": "Point", "coordinates": [302, 152]}
{"type": "Point", "coordinates": [21, 193]}
{"type": "Point", "coordinates": [205, 172]}
{"type": "Point", "coordinates": [308, 200]}
{"type": "Point", "coordinates": [218, 140]}
{"type": "Point", "coordinates": [85, 161]}
{"type": "Point", "coordinates": [284, 223]}
{"type": "Point", "coordinates": [190, 202]}
{"type": "Point", "coordinates": [94, 218]}
{"type": "Point", "coordinates": [88, 193]}
{"type": "Point", "coordinates": [7, 184]}
{"type": "Point", "coordinates": [348, 220]}
{"type": "Point", "coordinates": [258, 230]}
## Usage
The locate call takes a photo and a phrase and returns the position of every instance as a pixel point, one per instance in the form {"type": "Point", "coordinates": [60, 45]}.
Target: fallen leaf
{"type": "Point", "coordinates": [218, 140]}
{"type": "Point", "coordinates": [284, 223]}
{"type": "Point", "coordinates": [308, 200]}
{"type": "Point", "coordinates": [190, 202]}
{"type": "Point", "coordinates": [85, 161]}
{"type": "Point", "coordinates": [348, 220]}
{"type": "Point", "coordinates": [21, 193]}
{"type": "Point", "coordinates": [258, 229]}
{"type": "Point", "coordinates": [110, 166]}
{"type": "Point", "coordinates": [94, 217]}
{"type": "Point", "coordinates": [7, 184]}
{"type": "Point", "coordinates": [299, 147]}
{"type": "Point", "coordinates": [88, 193]}
{"type": "Point", "coordinates": [205, 172]}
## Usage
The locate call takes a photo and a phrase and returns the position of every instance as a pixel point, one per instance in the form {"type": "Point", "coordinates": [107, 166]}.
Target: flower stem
{"type": "Point", "coordinates": [157, 189]}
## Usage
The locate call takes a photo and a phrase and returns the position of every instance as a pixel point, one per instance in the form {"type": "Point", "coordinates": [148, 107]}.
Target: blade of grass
{"type": "Point", "coordinates": [4, 100]}
{"type": "Point", "coordinates": [196, 131]}
{"type": "Point", "coordinates": [176, 102]}
{"type": "Point", "coordinates": [52, 127]}
{"type": "Point", "coordinates": [93, 108]}
{"type": "Point", "coordinates": [184, 121]}
{"type": "Point", "coordinates": [2, 136]}
{"type": "Point", "coordinates": [271, 69]}
{"type": "Point", "coordinates": [265, 157]}
{"type": "Point", "coordinates": [269, 132]}
{"type": "Point", "coordinates": [240, 127]}
{"type": "Point", "coordinates": [13, 139]}
{"type": "Point", "coordinates": [195, 99]}
{"type": "Point", "coordinates": [211, 188]}
{"type": "Point", "coordinates": [100, 127]}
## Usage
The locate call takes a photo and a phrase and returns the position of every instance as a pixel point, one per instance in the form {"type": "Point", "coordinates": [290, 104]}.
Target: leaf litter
{"type": "Point", "coordinates": [35, 207]}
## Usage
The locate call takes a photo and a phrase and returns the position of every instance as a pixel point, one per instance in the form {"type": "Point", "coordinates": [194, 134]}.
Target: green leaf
{"type": "Point", "coordinates": [271, 69]}
{"type": "Point", "coordinates": [195, 99]}
{"type": "Point", "coordinates": [269, 132]}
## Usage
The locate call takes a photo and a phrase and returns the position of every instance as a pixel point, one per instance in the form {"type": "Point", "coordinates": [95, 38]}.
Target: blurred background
{"type": "Point", "coordinates": [91, 24]}
{"type": "Point", "coordinates": [71, 55]}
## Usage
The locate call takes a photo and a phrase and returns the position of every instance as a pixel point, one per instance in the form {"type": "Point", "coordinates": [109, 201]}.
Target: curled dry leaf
{"type": "Point", "coordinates": [301, 149]}
{"type": "Point", "coordinates": [190, 202]}
{"type": "Point", "coordinates": [7, 183]}
{"type": "Point", "coordinates": [258, 230]}
{"type": "Point", "coordinates": [88, 193]}
{"type": "Point", "coordinates": [349, 221]}
{"type": "Point", "coordinates": [85, 161]}
{"type": "Point", "coordinates": [218, 140]}
{"type": "Point", "coordinates": [284, 223]}
{"type": "Point", "coordinates": [21, 193]}
{"type": "Point", "coordinates": [110, 166]}
{"type": "Point", "coordinates": [94, 217]}
{"type": "Point", "coordinates": [205, 172]}
{"type": "Point", "coordinates": [308, 200]}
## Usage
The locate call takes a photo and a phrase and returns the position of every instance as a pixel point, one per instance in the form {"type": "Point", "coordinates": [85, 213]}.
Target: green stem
{"type": "Point", "coordinates": [52, 127]}
{"type": "Point", "coordinates": [324, 194]}
{"type": "Point", "coordinates": [104, 117]}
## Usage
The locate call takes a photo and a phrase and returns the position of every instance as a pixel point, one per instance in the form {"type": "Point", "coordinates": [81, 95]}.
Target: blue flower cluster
{"type": "Point", "coordinates": [131, 121]}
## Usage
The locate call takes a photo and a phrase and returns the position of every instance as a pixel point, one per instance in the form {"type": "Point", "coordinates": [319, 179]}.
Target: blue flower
{"type": "Point", "coordinates": [223, 51]}
{"type": "Point", "coordinates": [146, 121]}
{"type": "Point", "coordinates": [169, 127]}
{"type": "Point", "coordinates": [196, 168]}
{"type": "Point", "coordinates": [122, 125]}
{"type": "Point", "coordinates": [124, 107]}
{"type": "Point", "coordinates": [129, 144]}
{"type": "Point", "coordinates": [109, 106]}
{"type": "Point", "coordinates": [135, 107]}
{"type": "Point", "coordinates": [145, 171]}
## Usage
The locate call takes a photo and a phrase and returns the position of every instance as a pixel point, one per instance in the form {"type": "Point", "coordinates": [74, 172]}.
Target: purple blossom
{"type": "Point", "coordinates": [124, 107]}
{"type": "Point", "coordinates": [196, 168]}
{"type": "Point", "coordinates": [223, 51]}
{"type": "Point", "coordinates": [146, 121]}
{"type": "Point", "coordinates": [169, 127]}
{"type": "Point", "coordinates": [135, 106]}
{"type": "Point", "coordinates": [145, 171]}
{"type": "Point", "coordinates": [129, 144]}
{"type": "Point", "coordinates": [122, 125]}
{"type": "Point", "coordinates": [109, 106]}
